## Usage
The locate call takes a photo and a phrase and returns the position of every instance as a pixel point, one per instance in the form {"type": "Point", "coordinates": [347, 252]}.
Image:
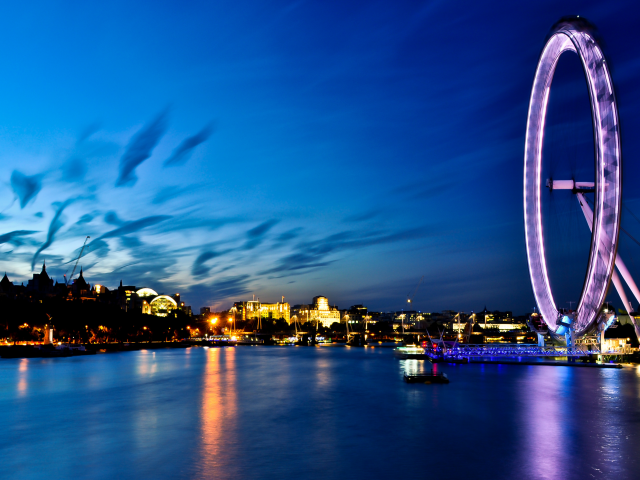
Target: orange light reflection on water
{"type": "Point", "coordinates": [146, 363]}
{"type": "Point", "coordinates": [22, 382]}
{"type": "Point", "coordinates": [219, 405]}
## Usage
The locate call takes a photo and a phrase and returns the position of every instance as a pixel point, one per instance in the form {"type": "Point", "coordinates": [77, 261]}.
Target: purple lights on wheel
{"type": "Point", "coordinates": [573, 36]}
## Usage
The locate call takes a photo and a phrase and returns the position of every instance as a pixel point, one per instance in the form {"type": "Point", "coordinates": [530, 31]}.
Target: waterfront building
{"type": "Point", "coordinates": [162, 305]}
{"type": "Point", "coordinates": [387, 317]}
{"type": "Point", "coordinates": [408, 317]}
{"type": "Point", "coordinates": [41, 283]}
{"type": "Point", "coordinates": [127, 297]}
{"type": "Point", "coordinates": [319, 311]}
{"type": "Point", "coordinates": [6, 287]}
{"type": "Point", "coordinates": [501, 321]}
{"type": "Point", "coordinates": [254, 309]}
{"type": "Point", "coordinates": [359, 314]}
{"type": "Point", "coordinates": [154, 304]}
{"type": "Point", "coordinates": [80, 289]}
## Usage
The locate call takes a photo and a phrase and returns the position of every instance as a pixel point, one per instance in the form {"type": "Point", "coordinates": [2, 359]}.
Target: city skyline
{"type": "Point", "coordinates": [270, 155]}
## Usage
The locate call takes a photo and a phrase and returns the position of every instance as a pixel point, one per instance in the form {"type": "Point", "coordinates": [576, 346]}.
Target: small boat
{"type": "Point", "coordinates": [410, 351]}
{"type": "Point", "coordinates": [427, 378]}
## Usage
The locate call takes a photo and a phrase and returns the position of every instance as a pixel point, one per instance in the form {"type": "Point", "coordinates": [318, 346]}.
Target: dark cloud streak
{"type": "Point", "coordinates": [56, 224]}
{"type": "Point", "coordinates": [135, 226]}
{"type": "Point", "coordinates": [14, 237]}
{"type": "Point", "coordinates": [312, 254]}
{"type": "Point", "coordinates": [140, 148]}
{"type": "Point", "coordinates": [25, 187]}
{"type": "Point", "coordinates": [256, 235]}
{"type": "Point", "coordinates": [199, 269]}
{"type": "Point", "coordinates": [182, 153]}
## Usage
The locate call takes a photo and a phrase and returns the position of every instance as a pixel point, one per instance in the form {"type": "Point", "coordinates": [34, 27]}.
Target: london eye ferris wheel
{"type": "Point", "coordinates": [575, 35]}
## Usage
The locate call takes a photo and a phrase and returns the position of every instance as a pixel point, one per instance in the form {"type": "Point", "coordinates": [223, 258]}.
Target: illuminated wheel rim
{"type": "Point", "coordinates": [573, 36]}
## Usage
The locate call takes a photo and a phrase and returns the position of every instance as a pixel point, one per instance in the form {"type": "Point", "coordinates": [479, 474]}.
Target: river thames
{"type": "Point", "coordinates": [305, 412]}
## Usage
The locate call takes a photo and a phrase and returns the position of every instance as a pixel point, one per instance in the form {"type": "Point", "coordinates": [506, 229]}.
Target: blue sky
{"type": "Point", "coordinates": [224, 149]}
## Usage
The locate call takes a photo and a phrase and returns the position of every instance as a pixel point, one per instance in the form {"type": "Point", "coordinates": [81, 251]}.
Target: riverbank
{"type": "Point", "coordinates": [38, 351]}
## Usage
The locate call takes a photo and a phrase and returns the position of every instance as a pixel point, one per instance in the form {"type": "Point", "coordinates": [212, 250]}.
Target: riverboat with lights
{"type": "Point", "coordinates": [410, 351]}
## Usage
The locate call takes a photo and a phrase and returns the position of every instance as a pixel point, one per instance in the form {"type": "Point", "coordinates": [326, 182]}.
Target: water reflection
{"type": "Point", "coordinates": [145, 420]}
{"type": "Point", "coordinates": [22, 379]}
{"type": "Point", "coordinates": [415, 367]}
{"type": "Point", "coordinates": [609, 438]}
{"type": "Point", "coordinates": [146, 365]}
{"type": "Point", "coordinates": [219, 404]}
{"type": "Point", "coordinates": [323, 370]}
{"type": "Point", "coordinates": [544, 441]}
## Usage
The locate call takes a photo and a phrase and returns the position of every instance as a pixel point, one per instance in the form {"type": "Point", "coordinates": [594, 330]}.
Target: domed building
{"type": "Point", "coordinates": [154, 304]}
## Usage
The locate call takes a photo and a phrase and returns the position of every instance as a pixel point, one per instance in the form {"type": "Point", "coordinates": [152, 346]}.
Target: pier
{"type": "Point", "coordinates": [520, 354]}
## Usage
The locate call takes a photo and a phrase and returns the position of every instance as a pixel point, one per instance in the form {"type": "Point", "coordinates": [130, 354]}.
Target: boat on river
{"type": "Point", "coordinates": [427, 378]}
{"type": "Point", "coordinates": [410, 351]}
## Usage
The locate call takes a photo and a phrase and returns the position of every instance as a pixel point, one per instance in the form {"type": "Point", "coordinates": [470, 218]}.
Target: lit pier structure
{"type": "Point", "coordinates": [466, 352]}
{"type": "Point", "coordinates": [587, 348]}
{"type": "Point", "coordinates": [587, 353]}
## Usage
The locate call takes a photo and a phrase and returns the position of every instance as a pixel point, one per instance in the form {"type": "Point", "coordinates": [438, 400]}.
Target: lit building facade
{"type": "Point", "coordinates": [319, 311]}
{"type": "Point", "coordinates": [255, 309]}
{"type": "Point", "coordinates": [162, 305]}
{"type": "Point", "coordinates": [154, 304]}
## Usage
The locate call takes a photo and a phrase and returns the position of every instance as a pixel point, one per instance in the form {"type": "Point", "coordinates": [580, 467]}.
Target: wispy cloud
{"type": "Point", "coordinates": [86, 218]}
{"type": "Point", "coordinates": [255, 236]}
{"type": "Point", "coordinates": [425, 189]}
{"type": "Point", "coordinates": [199, 269]}
{"type": "Point", "coordinates": [170, 192]}
{"type": "Point", "coordinates": [14, 237]}
{"type": "Point", "coordinates": [289, 234]}
{"type": "Point", "coordinates": [141, 272]}
{"type": "Point", "coordinates": [140, 148]}
{"type": "Point", "coordinates": [363, 216]}
{"type": "Point", "coordinates": [56, 224]}
{"type": "Point", "coordinates": [315, 254]}
{"type": "Point", "coordinates": [221, 289]}
{"type": "Point", "coordinates": [99, 247]}
{"type": "Point", "coordinates": [130, 241]}
{"type": "Point", "coordinates": [88, 131]}
{"type": "Point", "coordinates": [182, 153]}
{"type": "Point", "coordinates": [25, 187]}
{"type": "Point", "coordinates": [112, 218]}
{"type": "Point", "coordinates": [132, 227]}
{"type": "Point", "coordinates": [74, 169]}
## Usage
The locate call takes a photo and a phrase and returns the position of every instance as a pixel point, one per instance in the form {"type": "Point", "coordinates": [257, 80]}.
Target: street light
{"type": "Point", "coordinates": [230, 320]}
{"type": "Point", "coordinates": [366, 325]}
{"type": "Point", "coordinates": [213, 322]}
